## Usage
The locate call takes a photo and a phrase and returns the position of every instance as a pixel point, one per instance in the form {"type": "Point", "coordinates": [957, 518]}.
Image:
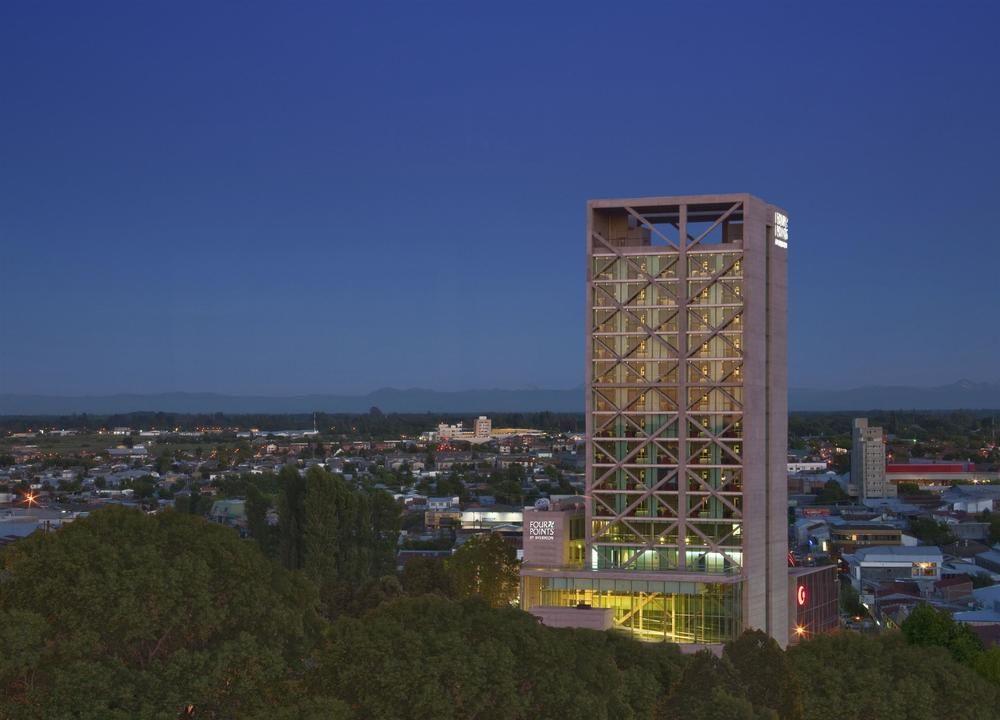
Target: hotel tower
{"type": "Point", "coordinates": [681, 535]}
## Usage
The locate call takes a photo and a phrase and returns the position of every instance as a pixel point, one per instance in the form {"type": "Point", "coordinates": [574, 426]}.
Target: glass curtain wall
{"type": "Point", "coordinates": [644, 482]}
{"type": "Point", "coordinates": [651, 610]}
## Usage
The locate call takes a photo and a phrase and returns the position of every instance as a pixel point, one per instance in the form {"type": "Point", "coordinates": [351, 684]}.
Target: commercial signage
{"type": "Point", "coordinates": [781, 230]}
{"type": "Point", "coordinates": [542, 529]}
{"type": "Point", "coordinates": [802, 596]}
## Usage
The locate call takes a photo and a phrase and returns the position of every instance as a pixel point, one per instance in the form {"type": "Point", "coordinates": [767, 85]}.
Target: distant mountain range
{"type": "Point", "coordinates": [962, 394]}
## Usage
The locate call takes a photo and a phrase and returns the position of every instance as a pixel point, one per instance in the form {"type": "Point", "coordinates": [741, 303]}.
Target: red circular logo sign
{"type": "Point", "coordinates": [802, 595]}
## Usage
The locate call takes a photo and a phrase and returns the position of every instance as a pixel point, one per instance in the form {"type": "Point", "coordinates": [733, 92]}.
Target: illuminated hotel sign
{"type": "Point", "coordinates": [542, 529]}
{"type": "Point", "coordinates": [802, 596]}
{"type": "Point", "coordinates": [780, 230]}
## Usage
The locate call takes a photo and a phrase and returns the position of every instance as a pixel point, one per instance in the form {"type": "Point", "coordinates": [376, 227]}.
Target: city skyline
{"type": "Point", "coordinates": [510, 361]}
{"type": "Point", "coordinates": [191, 221]}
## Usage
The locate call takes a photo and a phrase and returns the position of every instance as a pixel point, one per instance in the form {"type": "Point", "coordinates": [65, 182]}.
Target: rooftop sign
{"type": "Point", "coordinates": [780, 230]}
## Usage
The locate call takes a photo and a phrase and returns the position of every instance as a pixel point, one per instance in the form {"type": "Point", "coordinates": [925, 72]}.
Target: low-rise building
{"type": "Point", "coordinates": [491, 517]}
{"type": "Point", "coordinates": [989, 560]}
{"type": "Point", "coordinates": [879, 564]}
{"type": "Point", "coordinates": [397, 461]}
{"type": "Point", "coordinates": [972, 499]}
{"type": "Point", "coordinates": [953, 588]}
{"type": "Point", "coordinates": [813, 601]}
{"type": "Point", "coordinates": [942, 474]}
{"type": "Point", "coordinates": [443, 503]}
{"type": "Point", "coordinates": [807, 467]}
{"type": "Point", "coordinates": [448, 460]}
{"type": "Point", "coordinates": [846, 537]}
{"type": "Point", "coordinates": [987, 614]}
{"type": "Point", "coordinates": [480, 432]}
{"type": "Point", "coordinates": [136, 451]}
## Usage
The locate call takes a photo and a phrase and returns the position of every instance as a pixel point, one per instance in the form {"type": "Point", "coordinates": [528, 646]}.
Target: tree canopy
{"type": "Point", "coordinates": [124, 615]}
{"type": "Point", "coordinates": [486, 567]}
{"type": "Point", "coordinates": [127, 615]}
{"type": "Point", "coordinates": [429, 658]}
{"type": "Point", "coordinates": [850, 675]}
{"type": "Point", "coordinates": [339, 536]}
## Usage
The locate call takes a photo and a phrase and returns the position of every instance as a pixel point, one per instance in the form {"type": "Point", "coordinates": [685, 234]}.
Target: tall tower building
{"type": "Point", "coordinates": [868, 462]}
{"type": "Point", "coordinates": [685, 515]}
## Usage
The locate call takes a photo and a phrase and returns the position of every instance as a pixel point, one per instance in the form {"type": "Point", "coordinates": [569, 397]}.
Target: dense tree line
{"type": "Point", "coordinates": [929, 627]}
{"type": "Point", "coordinates": [910, 424]}
{"type": "Point", "coordinates": [849, 675]}
{"type": "Point", "coordinates": [126, 615]}
{"type": "Point", "coordinates": [374, 425]}
{"type": "Point", "coordinates": [919, 425]}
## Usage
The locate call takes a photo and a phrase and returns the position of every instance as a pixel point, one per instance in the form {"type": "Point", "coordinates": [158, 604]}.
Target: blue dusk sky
{"type": "Point", "coordinates": [291, 197]}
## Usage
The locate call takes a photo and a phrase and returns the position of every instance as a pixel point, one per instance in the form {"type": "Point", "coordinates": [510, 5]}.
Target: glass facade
{"type": "Point", "coordinates": [667, 407]}
{"type": "Point", "coordinates": [660, 610]}
{"type": "Point", "coordinates": [577, 541]}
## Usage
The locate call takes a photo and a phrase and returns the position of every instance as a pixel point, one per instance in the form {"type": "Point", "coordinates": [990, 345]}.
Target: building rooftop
{"type": "Point", "coordinates": [972, 491]}
{"type": "Point", "coordinates": [800, 570]}
{"type": "Point", "coordinates": [978, 616]}
{"type": "Point", "coordinates": [987, 595]}
{"type": "Point", "coordinates": [992, 556]}
{"type": "Point", "coordinates": [878, 553]}
{"type": "Point", "coordinates": [953, 581]}
{"type": "Point", "coordinates": [842, 525]}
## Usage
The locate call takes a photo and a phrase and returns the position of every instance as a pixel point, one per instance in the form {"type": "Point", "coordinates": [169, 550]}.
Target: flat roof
{"type": "Point", "coordinates": [864, 525]}
{"type": "Point", "coordinates": [898, 552]}
{"type": "Point", "coordinates": [672, 200]}
{"type": "Point", "coordinates": [801, 570]}
{"type": "Point", "coordinates": [990, 556]}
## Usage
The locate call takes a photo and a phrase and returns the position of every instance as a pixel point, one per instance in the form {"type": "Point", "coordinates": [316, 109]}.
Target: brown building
{"type": "Point", "coordinates": [953, 588]}
{"type": "Point", "coordinates": [849, 537]}
{"type": "Point", "coordinates": [813, 601]}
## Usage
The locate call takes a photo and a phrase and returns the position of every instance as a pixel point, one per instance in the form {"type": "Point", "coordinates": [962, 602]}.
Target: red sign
{"type": "Point", "coordinates": [802, 596]}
